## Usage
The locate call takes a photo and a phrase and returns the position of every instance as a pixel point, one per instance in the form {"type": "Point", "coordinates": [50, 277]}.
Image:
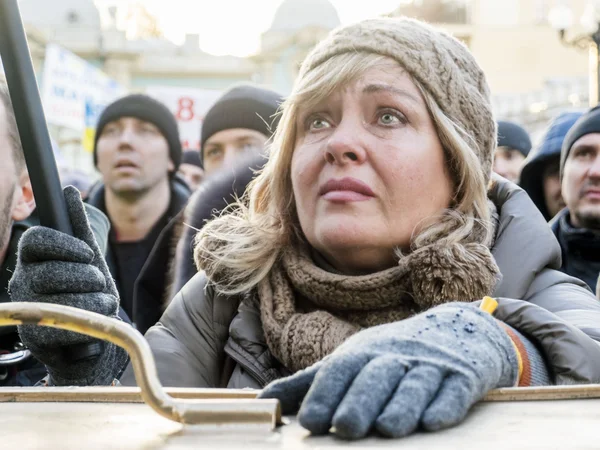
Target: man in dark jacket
{"type": "Point", "coordinates": [137, 150]}
{"type": "Point", "coordinates": [514, 145]}
{"type": "Point", "coordinates": [540, 176]}
{"type": "Point", "coordinates": [577, 227]}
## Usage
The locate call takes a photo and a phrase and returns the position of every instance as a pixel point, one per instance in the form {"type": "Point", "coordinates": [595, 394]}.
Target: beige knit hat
{"type": "Point", "coordinates": [441, 63]}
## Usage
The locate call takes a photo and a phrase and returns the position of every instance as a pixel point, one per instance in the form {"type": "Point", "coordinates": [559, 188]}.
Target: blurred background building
{"type": "Point", "coordinates": [532, 75]}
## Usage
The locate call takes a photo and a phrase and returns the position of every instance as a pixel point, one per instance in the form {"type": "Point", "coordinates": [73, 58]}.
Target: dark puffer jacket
{"type": "Point", "coordinates": [208, 340]}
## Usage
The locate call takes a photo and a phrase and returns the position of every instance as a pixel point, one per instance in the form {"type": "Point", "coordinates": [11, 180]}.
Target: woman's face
{"type": "Point", "coordinates": [367, 169]}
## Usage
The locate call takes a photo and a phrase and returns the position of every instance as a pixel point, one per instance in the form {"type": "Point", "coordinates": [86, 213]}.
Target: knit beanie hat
{"type": "Point", "coordinates": [191, 157]}
{"type": "Point", "coordinates": [148, 109]}
{"type": "Point", "coordinates": [243, 106]}
{"type": "Point", "coordinates": [513, 136]}
{"type": "Point", "coordinates": [587, 124]}
{"type": "Point", "coordinates": [441, 63]}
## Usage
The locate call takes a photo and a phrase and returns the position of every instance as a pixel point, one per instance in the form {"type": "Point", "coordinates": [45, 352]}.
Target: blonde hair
{"type": "Point", "coordinates": [239, 248]}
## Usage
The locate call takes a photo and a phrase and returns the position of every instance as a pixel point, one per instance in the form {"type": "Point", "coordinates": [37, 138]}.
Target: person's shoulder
{"type": "Point", "coordinates": [198, 302]}
{"type": "Point", "coordinates": [524, 243]}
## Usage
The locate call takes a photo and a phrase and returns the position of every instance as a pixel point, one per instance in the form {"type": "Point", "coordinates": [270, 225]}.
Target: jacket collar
{"type": "Point", "coordinates": [582, 241]}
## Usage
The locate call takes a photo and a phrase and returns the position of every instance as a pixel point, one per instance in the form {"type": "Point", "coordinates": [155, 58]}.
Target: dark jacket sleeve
{"type": "Point", "coordinates": [188, 342]}
{"type": "Point", "coordinates": [560, 314]}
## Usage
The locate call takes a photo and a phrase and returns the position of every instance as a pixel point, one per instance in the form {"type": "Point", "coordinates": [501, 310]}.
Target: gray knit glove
{"type": "Point", "coordinates": [424, 371]}
{"type": "Point", "coordinates": [53, 267]}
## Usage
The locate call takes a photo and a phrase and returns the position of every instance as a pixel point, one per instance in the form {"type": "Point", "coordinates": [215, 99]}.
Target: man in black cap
{"type": "Point", "coordinates": [577, 227]}
{"type": "Point", "coordinates": [234, 134]}
{"type": "Point", "coordinates": [137, 150]}
{"type": "Point", "coordinates": [514, 145]}
{"type": "Point", "coordinates": [239, 123]}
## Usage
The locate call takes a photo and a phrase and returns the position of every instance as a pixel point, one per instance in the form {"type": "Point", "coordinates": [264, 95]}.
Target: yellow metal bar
{"type": "Point", "coordinates": [190, 411]}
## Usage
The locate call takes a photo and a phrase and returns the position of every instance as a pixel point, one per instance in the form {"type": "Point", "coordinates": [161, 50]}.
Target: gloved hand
{"type": "Point", "coordinates": [53, 267]}
{"type": "Point", "coordinates": [424, 371]}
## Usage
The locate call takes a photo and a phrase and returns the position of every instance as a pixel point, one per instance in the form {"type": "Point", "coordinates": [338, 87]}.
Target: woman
{"type": "Point", "coordinates": [350, 282]}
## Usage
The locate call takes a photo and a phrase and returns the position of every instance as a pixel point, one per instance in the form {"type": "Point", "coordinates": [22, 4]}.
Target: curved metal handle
{"type": "Point", "coordinates": [189, 411]}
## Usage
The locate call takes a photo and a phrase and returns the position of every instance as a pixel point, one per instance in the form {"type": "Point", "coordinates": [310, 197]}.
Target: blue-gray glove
{"type": "Point", "coordinates": [53, 267]}
{"type": "Point", "coordinates": [424, 371]}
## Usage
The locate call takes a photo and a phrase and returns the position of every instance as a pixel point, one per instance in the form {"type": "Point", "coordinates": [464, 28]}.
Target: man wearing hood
{"type": "Point", "coordinates": [540, 176]}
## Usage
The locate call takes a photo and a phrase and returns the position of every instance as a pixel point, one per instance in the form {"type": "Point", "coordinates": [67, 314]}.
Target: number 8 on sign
{"type": "Point", "coordinates": [185, 111]}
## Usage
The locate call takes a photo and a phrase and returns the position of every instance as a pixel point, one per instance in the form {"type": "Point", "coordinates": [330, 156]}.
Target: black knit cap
{"type": "Point", "coordinates": [586, 124]}
{"type": "Point", "coordinates": [513, 136]}
{"type": "Point", "coordinates": [148, 109]}
{"type": "Point", "coordinates": [191, 157]}
{"type": "Point", "coordinates": [243, 106]}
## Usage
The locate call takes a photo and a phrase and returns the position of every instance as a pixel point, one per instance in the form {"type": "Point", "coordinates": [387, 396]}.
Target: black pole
{"type": "Point", "coordinates": [50, 203]}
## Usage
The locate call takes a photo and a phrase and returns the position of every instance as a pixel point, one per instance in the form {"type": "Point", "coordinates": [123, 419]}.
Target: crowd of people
{"type": "Point", "coordinates": [336, 248]}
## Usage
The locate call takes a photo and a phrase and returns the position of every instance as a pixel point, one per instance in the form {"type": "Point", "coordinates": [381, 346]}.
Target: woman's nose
{"type": "Point", "coordinates": [345, 145]}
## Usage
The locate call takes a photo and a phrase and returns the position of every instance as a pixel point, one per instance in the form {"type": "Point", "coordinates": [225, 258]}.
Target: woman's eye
{"type": "Point", "coordinates": [388, 118]}
{"type": "Point", "coordinates": [318, 124]}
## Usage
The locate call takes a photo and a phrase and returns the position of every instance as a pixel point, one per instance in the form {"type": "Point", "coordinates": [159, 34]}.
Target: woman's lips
{"type": "Point", "coordinates": [346, 190]}
{"type": "Point", "coordinates": [345, 196]}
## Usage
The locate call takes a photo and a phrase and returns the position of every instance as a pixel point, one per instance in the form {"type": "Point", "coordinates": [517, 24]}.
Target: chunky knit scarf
{"type": "Point", "coordinates": [307, 312]}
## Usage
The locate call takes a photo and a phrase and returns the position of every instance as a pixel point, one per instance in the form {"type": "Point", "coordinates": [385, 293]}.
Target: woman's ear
{"type": "Point", "coordinates": [25, 202]}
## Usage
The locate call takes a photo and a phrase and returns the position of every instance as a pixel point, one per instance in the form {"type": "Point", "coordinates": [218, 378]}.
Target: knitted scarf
{"type": "Point", "coordinates": [307, 312]}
